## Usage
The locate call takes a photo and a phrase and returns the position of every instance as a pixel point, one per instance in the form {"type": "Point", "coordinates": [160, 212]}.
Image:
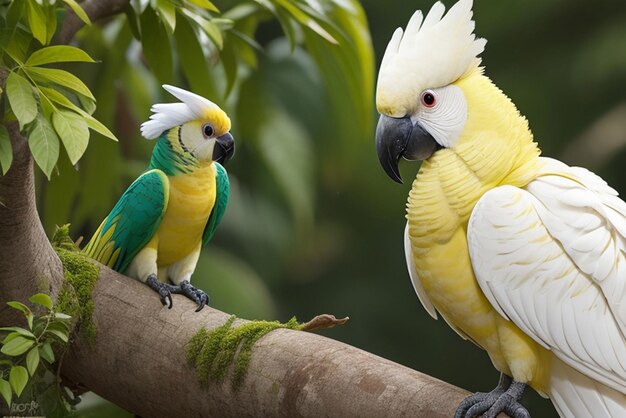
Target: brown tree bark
{"type": "Point", "coordinates": [138, 357]}
{"type": "Point", "coordinates": [138, 362]}
{"type": "Point", "coordinates": [28, 264]}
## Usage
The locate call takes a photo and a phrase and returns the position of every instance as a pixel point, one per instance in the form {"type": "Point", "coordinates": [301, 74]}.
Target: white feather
{"type": "Point", "coordinates": [165, 116]}
{"type": "Point", "coordinates": [565, 286]}
{"type": "Point", "coordinates": [431, 54]}
{"type": "Point", "coordinates": [417, 284]}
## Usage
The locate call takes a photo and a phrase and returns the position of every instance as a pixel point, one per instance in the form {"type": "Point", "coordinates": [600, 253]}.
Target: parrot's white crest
{"type": "Point", "coordinates": [430, 53]}
{"type": "Point", "coordinates": [166, 116]}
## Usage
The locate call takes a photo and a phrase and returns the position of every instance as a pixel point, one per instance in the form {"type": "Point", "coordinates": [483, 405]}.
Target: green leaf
{"type": "Point", "coordinates": [18, 44]}
{"type": "Point", "coordinates": [97, 126]}
{"type": "Point", "coordinates": [94, 124]}
{"type": "Point", "coordinates": [57, 53]}
{"type": "Point", "coordinates": [20, 307]}
{"type": "Point", "coordinates": [18, 345]}
{"type": "Point", "coordinates": [61, 77]}
{"type": "Point", "coordinates": [19, 330]}
{"type": "Point", "coordinates": [44, 145]}
{"type": "Point", "coordinates": [32, 360]}
{"type": "Point", "coordinates": [60, 334]}
{"type": "Point", "coordinates": [132, 18]}
{"type": "Point", "coordinates": [193, 63]}
{"type": "Point", "coordinates": [304, 19]}
{"type": "Point", "coordinates": [62, 326]}
{"type": "Point", "coordinates": [167, 10]}
{"type": "Point", "coordinates": [212, 30]}
{"type": "Point", "coordinates": [51, 21]}
{"type": "Point", "coordinates": [37, 21]}
{"type": "Point", "coordinates": [139, 5]}
{"type": "Point", "coordinates": [156, 46]}
{"type": "Point", "coordinates": [87, 104]}
{"type": "Point", "coordinates": [205, 4]}
{"type": "Point", "coordinates": [62, 316]}
{"type": "Point", "coordinates": [41, 299]}
{"type": "Point", "coordinates": [6, 150]}
{"type": "Point", "coordinates": [21, 98]}
{"type": "Point", "coordinates": [73, 131]}
{"type": "Point", "coordinates": [46, 353]}
{"type": "Point", "coordinates": [18, 377]}
{"type": "Point", "coordinates": [228, 58]}
{"type": "Point", "coordinates": [79, 11]}
{"type": "Point", "coordinates": [10, 337]}
{"type": "Point", "coordinates": [5, 391]}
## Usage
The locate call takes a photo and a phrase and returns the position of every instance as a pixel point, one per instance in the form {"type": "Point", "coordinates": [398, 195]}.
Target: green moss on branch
{"type": "Point", "coordinates": [81, 274]}
{"type": "Point", "coordinates": [213, 352]}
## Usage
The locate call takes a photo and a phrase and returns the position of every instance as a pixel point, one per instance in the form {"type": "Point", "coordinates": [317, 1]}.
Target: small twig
{"type": "Point", "coordinates": [322, 322]}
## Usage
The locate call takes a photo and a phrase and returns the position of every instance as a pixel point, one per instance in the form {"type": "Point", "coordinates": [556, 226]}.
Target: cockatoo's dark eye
{"type": "Point", "coordinates": [428, 98]}
{"type": "Point", "coordinates": [207, 130]}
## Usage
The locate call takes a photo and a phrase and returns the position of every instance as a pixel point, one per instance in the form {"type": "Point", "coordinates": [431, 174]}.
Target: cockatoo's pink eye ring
{"type": "Point", "coordinates": [428, 98]}
{"type": "Point", "coordinates": [207, 130]}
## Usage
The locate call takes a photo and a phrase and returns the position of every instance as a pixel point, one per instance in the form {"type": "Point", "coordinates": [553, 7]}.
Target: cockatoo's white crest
{"type": "Point", "coordinates": [165, 116]}
{"type": "Point", "coordinates": [432, 52]}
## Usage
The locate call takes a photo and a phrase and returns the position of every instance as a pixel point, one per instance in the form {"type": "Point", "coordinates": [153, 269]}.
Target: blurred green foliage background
{"type": "Point", "coordinates": [314, 225]}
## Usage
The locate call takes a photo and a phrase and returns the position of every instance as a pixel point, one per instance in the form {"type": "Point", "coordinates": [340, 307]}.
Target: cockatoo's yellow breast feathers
{"type": "Point", "coordinates": [166, 116]}
{"type": "Point", "coordinates": [430, 53]}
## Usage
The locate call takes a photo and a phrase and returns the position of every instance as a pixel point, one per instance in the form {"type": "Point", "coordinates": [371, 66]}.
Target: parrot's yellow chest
{"type": "Point", "coordinates": [439, 206]}
{"type": "Point", "coordinates": [191, 200]}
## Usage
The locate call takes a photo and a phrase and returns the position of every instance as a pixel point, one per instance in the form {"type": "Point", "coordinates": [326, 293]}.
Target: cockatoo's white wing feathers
{"type": "Point", "coordinates": [165, 116]}
{"type": "Point", "coordinates": [551, 259]}
{"type": "Point", "coordinates": [417, 285]}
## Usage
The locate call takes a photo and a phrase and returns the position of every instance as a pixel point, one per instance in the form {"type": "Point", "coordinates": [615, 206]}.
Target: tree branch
{"type": "Point", "coordinates": [28, 264]}
{"type": "Point", "coordinates": [95, 9]}
{"type": "Point", "coordinates": [138, 362]}
{"type": "Point", "coordinates": [138, 357]}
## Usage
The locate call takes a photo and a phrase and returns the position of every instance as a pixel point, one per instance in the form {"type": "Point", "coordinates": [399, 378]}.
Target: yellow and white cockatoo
{"type": "Point", "coordinates": [523, 255]}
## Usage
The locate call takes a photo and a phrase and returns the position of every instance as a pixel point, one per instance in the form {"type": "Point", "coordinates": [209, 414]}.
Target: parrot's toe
{"type": "Point", "coordinates": [503, 398]}
{"type": "Point", "coordinates": [162, 289]}
{"type": "Point", "coordinates": [197, 295]}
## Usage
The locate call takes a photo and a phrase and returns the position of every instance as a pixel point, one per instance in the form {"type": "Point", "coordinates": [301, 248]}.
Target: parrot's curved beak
{"type": "Point", "coordinates": [224, 148]}
{"type": "Point", "coordinates": [400, 137]}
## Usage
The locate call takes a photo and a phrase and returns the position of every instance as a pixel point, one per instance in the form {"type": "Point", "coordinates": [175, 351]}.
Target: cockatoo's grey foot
{"type": "Point", "coordinates": [192, 292]}
{"type": "Point", "coordinates": [162, 289]}
{"type": "Point", "coordinates": [504, 398]}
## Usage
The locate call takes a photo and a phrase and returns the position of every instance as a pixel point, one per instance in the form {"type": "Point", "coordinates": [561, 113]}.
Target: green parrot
{"type": "Point", "coordinates": [156, 230]}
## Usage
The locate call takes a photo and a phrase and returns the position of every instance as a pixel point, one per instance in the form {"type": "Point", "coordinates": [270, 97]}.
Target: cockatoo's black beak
{"type": "Point", "coordinates": [400, 137]}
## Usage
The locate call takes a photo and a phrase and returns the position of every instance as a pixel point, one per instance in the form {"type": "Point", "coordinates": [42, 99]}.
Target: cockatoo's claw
{"type": "Point", "coordinates": [162, 289]}
{"type": "Point", "coordinates": [504, 398]}
{"type": "Point", "coordinates": [192, 292]}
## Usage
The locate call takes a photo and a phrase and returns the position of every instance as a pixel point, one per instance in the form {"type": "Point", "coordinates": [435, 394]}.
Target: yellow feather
{"type": "Point", "coordinates": [495, 148]}
{"type": "Point", "coordinates": [191, 200]}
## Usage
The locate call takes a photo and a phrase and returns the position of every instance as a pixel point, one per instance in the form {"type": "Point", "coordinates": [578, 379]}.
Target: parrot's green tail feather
{"type": "Point", "coordinates": [132, 222]}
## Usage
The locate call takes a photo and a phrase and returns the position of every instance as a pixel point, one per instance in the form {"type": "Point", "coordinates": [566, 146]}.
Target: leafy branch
{"type": "Point", "coordinates": [42, 99]}
{"type": "Point", "coordinates": [27, 353]}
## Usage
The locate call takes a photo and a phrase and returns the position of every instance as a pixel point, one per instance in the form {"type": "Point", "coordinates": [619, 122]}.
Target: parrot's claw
{"type": "Point", "coordinates": [162, 289]}
{"type": "Point", "coordinates": [504, 398]}
{"type": "Point", "coordinates": [197, 295]}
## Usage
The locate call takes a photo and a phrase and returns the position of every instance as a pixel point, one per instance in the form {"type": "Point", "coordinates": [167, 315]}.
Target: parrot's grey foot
{"type": "Point", "coordinates": [197, 295]}
{"type": "Point", "coordinates": [162, 289]}
{"type": "Point", "coordinates": [504, 398]}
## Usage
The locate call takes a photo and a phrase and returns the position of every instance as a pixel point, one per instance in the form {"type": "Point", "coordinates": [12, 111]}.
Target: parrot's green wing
{"type": "Point", "coordinates": [222, 190]}
{"type": "Point", "coordinates": [132, 222]}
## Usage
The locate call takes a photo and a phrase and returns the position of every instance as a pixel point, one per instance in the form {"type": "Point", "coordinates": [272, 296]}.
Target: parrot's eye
{"type": "Point", "coordinates": [207, 130]}
{"type": "Point", "coordinates": [428, 98]}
